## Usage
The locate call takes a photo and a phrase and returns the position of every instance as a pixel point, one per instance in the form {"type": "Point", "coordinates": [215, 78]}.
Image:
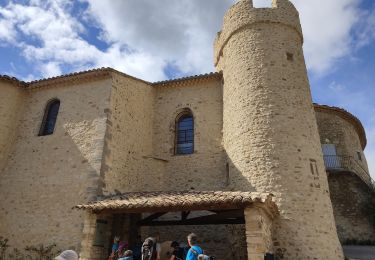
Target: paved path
{"type": "Point", "coordinates": [360, 252]}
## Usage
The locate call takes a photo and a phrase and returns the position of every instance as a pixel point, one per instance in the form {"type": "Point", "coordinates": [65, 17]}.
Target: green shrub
{"type": "Point", "coordinates": [39, 252]}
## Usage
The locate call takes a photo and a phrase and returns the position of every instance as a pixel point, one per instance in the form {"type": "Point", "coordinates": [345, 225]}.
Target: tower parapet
{"type": "Point", "coordinates": [243, 14]}
{"type": "Point", "coordinates": [269, 129]}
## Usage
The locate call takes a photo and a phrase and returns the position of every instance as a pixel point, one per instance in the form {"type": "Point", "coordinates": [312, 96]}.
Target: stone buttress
{"type": "Point", "coordinates": [270, 133]}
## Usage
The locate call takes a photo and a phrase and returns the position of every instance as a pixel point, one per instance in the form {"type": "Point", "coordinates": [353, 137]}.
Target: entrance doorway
{"type": "Point", "coordinates": [231, 225]}
{"type": "Point", "coordinates": [221, 233]}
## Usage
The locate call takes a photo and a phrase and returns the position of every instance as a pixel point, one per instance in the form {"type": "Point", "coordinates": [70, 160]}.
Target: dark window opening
{"type": "Point", "coordinates": [359, 156]}
{"type": "Point", "coordinates": [227, 174]}
{"type": "Point", "coordinates": [185, 134]}
{"type": "Point", "coordinates": [50, 117]}
{"type": "Point", "coordinates": [289, 56]}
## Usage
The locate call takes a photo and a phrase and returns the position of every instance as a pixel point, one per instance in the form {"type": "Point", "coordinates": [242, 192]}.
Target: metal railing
{"type": "Point", "coordinates": [348, 163]}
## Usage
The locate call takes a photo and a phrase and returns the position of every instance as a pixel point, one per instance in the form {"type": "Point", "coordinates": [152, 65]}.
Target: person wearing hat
{"type": "Point", "coordinates": [67, 255]}
{"type": "Point", "coordinates": [128, 255]}
{"type": "Point", "coordinates": [115, 246]}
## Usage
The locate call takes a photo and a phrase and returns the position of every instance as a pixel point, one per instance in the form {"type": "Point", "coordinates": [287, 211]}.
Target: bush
{"type": "Point", "coordinates": [39, 252]}
{"type": "Point", "coordinates": [42, 252]}
{"type": "Point", "coordinates": [3, 247]}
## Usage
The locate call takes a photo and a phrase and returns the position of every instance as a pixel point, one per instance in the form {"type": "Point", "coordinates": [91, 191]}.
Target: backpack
{"type": "Point", "coordinates": [201, 256]}
{"type": "Point", "coordinates": [179, 253]}
{"type": "Point", "coordinates": [149, 249]}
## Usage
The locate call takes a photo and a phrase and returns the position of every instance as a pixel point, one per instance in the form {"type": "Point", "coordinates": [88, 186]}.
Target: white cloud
{"type": "Point", "coordinates": [183, 31]}
{"type": "Point", "coordinates": [337, 87]}
{"type": "Point", "coordinates": [49, 37]}
{"type": "Point", "coordinates": [51, 69]}
{"type": "Point", "coordinates": [366, 29]}
{"type": "Point", "coordinates": [180, 32]}
{"type": "Point", "coordinates": [327, 27]}
{"type": "Point", "coordinates": [144, 36]}
{"type": "Point", "coordinates": [7, 32]}
{"type": "Point", "coordinates": [358, 102]}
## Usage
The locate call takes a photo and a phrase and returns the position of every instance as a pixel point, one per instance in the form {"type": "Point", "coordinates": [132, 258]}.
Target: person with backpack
{"type": "Point", "coordinates": [149, 249]}
{"type": "Point", "coordinates": [137, 248]}
{"type": "Point", "coordinates": [195, 252]}
{"type": "Point", "coordinates": [178, 252]}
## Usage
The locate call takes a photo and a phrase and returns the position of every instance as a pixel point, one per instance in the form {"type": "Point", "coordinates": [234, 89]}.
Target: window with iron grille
{"type": "Point", "coordinates": [185, 134]}
{"type": "Point", "coordinates": [50, 117]}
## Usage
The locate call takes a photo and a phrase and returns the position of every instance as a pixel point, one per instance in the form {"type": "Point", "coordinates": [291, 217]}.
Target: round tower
{"type": "Point", "coordinates": [270, 132]}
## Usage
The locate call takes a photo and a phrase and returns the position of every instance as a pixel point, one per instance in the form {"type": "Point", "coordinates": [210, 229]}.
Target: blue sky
{"type": "Point", "coordinates": [156, 40]}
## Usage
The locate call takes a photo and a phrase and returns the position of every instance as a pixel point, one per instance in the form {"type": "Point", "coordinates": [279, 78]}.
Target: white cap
{"type": "Point", "coordinates": [67, 255]}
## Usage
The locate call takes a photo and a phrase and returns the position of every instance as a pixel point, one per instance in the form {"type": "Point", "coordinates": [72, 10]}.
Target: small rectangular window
{"type": "Point", "coordinates": [359, 156]}
{"type": "Point", "coordinates": [289, 56]}
{"type": "Point", "coordinates": [100, 233]}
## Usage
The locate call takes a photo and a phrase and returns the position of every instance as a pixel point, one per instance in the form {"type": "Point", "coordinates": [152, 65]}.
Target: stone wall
{"type": "Point", "coordinates": [218, 241]}
{"type": "Point", "coordinates": [128, 164]}
{"type": "Point", "coordinates": [90, 251]}
{"type": "Point", "coordinates": [140, 139]}
{"type": "Point", "coordinates": [340, 131]}
{"type": "Point", "coordinates": [139, 151]}
{"type": "Point", "coordinates": [259, 236]}
{"type": "Point", "coordinates": [205, 168]}
{"type": "Point", "coordinates": [269, 128]}
{"type": "Point", "coordinates": [46, 176]}
{"type": "Point", "coordinates": [349, 195]}
{"type": "Point", "coordinates": [11, 106]}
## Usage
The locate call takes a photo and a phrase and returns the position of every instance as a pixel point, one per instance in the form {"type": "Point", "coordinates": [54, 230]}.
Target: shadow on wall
{"type": "Point", "coordinates": [235, 180]}
{"type": "Point", "coordinates": [48, 175]}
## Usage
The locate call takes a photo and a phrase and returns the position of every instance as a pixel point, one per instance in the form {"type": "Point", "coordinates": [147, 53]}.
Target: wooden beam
{"type": "Point", "coordinates": [151, 217]}
{"type": "Point", "coordinates": [184, 215]}
{"type": "Point", "coordinates": [222, 217]}
{"type": "Point", "coordinates": [190, 222]}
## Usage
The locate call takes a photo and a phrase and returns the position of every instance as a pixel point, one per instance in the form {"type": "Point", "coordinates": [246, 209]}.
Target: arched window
{"type": "Point", "coordinates": [50, 116]}
{"type": "Point", "coordinates": [185, 133]}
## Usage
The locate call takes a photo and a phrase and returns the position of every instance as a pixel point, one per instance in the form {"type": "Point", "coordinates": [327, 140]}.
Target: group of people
{"type": "Point", "coordinates": [120, 250]}
{"type": "Point", "coordinates": [151, 250]}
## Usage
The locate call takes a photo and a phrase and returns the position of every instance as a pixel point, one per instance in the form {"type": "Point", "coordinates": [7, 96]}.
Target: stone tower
{"type": "Point", "coordinates": [269, 128]}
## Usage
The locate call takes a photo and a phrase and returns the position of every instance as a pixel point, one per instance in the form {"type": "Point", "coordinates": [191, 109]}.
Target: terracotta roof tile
{"type": "Point", "coordinates": [13, 80]}
{"type": "Point", "coordinates": [176, 201]}
{"type": "Point", "coordinates": [212, 75]}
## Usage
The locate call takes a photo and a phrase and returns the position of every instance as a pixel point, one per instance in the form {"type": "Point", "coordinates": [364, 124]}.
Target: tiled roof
{"type": "Point", "coordinates": [13, 80]}
{"type": "Point", "coordinates": [348, 116]}
{"type": "Point", "coordinates": [180, 201]}
{"type": "Point", "coordinates": [92, 71]}
{"type": "Point", "coordinates": [212, 75]}
{"type": "Point", "coordinates": [80, 76]}
{"type": "Point", "coordinates": [105, 72]}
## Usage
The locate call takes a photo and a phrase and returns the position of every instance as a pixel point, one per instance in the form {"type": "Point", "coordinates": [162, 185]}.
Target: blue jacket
{"type": "Point", "coordinates": [191, 255]}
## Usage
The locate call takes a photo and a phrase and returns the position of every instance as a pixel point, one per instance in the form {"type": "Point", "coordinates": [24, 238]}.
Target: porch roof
{"type": "Point", "coordinates": [137, 202]}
